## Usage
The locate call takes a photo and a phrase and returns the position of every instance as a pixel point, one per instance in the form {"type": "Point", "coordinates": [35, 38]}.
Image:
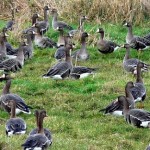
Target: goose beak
{"type": "Point", "coordinates": [33, 25]}
{"type": "Point", "coordinates": [97, 31]}
{"type": "Point", "coordinates": [6, 35]}
{"type": "Point", "coordinates": [122, 46]}
{"type": "Point", "coordinates": [34, 32]}
{"type": "Point", "coordinates": [125, 24]}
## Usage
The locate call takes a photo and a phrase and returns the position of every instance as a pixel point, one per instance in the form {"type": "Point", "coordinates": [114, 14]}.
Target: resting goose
{"type": "Point", "coordinates": [130, 64]}
{"type": "Point", "coordinates": [44, 25]}
{"type": "Point", "coordinates": [62, 69]}
{"type": "Point", "coordinates": [139, 90]}
{"type": "Point", "coordinates": [58, 24]}
{"type": "Point", "coordinates": [82, 53]}
{"type": "Point", "coordinates": [14, 125]}
{"type": "Point", "coordinates": [6, 96]}
{"type": "Point", "coordinates": [104, 46]}
{"type": "Point", "coordinates": [46, 131]}
{"type": "Point", "coordinates": [136, 117]}
{"type": "Point", "coordinates": [116, 107]}
{"type": "Point", "coordinates": [38, 141]}
{"type": "Point", "coordinates": [41, 41]}
{"type": "Point", "coordinates": [80, 29]}
{"type": "Point", "coordinates": [80, 72]}
{"type": "Point", "coordinates": [136, 42]}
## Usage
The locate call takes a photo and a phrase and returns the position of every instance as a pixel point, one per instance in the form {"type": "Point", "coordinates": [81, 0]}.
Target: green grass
{"type": "Point", "coordinates": [73, 105]}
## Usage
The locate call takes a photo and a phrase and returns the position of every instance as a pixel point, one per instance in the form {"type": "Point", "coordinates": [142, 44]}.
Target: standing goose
{"type": "Point", "coordinates": [44, 25]}
{"type": "Point", "coordinates": [82, 53]}
{"type": "Point", "coordinates": [14, 125]}
{"type": "Point", "coordinates": [80, 27]}
{"type": "Point", "coordinates": [105, 46]}
{"type": "Point", "coordinates": [42, 41]}
{"type": "Point", "coordinates": [61, 51]}
{"type": "Point", "coordinates": [61, 40]}
{"type": "Point", "coordinates": [116, 107]}
{"type": "Point", "coordinates": [130, 64]}
{"type": "Point", "coordinates": [28, 49]}
{"type": "Point", "coordinates": [46, 131]}
{"type": "Point", "coordinates": [38, 141]}
{"type": "Point", "coordinates": [136, 117]}
{"type": "Point", "coordinates": [6, 96]}
{"type": "Point", "coordinates": [139, 90]}
{"type": "Point", "coordinates": [136, 42]}
{"type": "Point", "coordinates": [32, 28]}
{"type": "Point", "coordinates": [63, 68]}
{"type": "Point", "coordinates": [58, 24]}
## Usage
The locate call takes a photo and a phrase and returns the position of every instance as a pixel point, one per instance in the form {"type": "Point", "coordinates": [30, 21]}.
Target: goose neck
{"type": "Point", "coordinates": [6, 88]}
{"type": "Point", "coordinates": [46, 15]}
{"type": "Point", "coordinates": [139, 75]}
{"type": "Point", "coordinates": [40, 124]}
{"type": "Point", "coordinates": [13, 110]}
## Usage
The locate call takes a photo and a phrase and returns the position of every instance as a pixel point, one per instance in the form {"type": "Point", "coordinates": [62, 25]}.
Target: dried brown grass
{"type": "Point", "coordinates": [97, 11]}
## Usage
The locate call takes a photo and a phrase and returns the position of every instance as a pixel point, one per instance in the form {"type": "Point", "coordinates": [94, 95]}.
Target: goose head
{"type": "Point", "coordinates": [46, 7]}
{"type": "Point", "coordinates": [100, 30]}
{"type": "Point", "coordinates": [127, 24]}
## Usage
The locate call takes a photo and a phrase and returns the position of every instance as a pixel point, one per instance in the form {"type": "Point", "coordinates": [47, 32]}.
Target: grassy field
{"type": "Point", "coordinates": [73, 105]}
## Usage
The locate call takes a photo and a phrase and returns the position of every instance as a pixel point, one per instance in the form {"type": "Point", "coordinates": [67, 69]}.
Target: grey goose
{"type": "Point", "coordinates": [80, 28]}
{"type": "Point", "coordinates": [61, 69]}
{"type": "Point", "coordinates": [130, 64]}
{"type": "Point", "coordinates": [14, 125]}
{"type": "Point", "coordinates": [139, 90]}
{"type": "Point", "coordinates": [44, 25]}
{"type": "Point", "coordinates": [80, 72]}
{"type": "Point", "coordinates": [116, 106]}
{"type": "Point", "coordinates": [6, 95]}
{"type": "Point", "coordinates": [38, 141]}
{"type": "Point", "coordinates": [136, 117]}
{"type": "Point", "coordinates": [41, 41]}
{"type": "Point", "coordinates": [82, 53]}
{"type": "Point", "coordinates": [136, 42]}
{"type": "Point", "coordinates": [46, 131]}
{"type": "Point", "coordinates": [104, 46]}
{"type": "Point", "coordinates": [58, 24]}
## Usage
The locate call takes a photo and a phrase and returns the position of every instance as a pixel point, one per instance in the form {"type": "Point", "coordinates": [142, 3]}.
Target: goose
{"type": "Point", "coordinates": [130, 64]}
{"type": "Point", "coordinates": [42, 41]}
{"type": "Point", "coordinates": [104, 46]}
{"type": "Point", "coordinates": [35, 16]}
{"type": "Point", "coordinates": [14, 64]}
{"type": "Point", "coordinates": [82, 53]}
{"type": "Point", "coordinates": [136, 117]}
{"type": "Point", "coordinates": [38, 141]}
{"type": "Point", "coordinates": [80, 72]}
{"type": "Point", "coordinates": [14, 125]}
{"type": "Point", "coordinates": [116, 107]}
{"type": "Point", "coordinates": [136, 42]}
{"type": "Point", "coordinates": [9, 49]}
{"type": "Point", "coordinates": [58, 24]}
{"type": "Point", "coordinates": [61, 51]}
{"type": "Point", "coordinates": [62, 69]}
{"type": "Point", "coordinates": [80, 27]}
{"type": "Point", "coordinates": [139, 90]}
{"type": "Point", "coordinates": [46, 131]}
{"type": "Point", "coordinates": [7, 95]}
{"type": "Point", "coordinates": [61, 40]}
{"type": "Point", "coordinates": [44, 25]}
{"type": "Point", "coordinates": [28, 49]}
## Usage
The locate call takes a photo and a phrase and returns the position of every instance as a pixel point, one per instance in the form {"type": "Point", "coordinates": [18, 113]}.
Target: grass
{"type": "Point", "coordinates": [73, 105]}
